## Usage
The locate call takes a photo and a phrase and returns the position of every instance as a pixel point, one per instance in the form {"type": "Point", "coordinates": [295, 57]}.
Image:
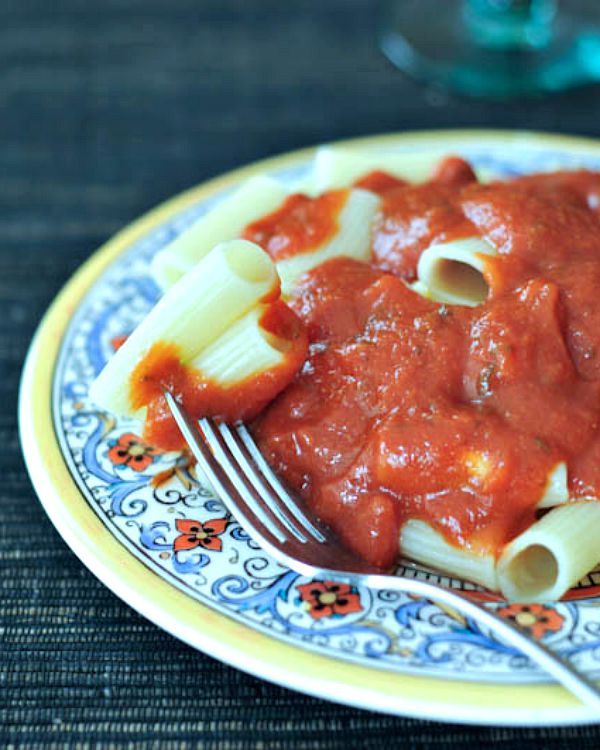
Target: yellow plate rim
{"type": "Point", "coordinates": [197, 624]}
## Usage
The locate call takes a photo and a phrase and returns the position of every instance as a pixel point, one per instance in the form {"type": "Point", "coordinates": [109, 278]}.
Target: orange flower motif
{"type": "Point", "coordinates": [117, 341]}
{"type": "Point", "coordinates": [535, 619]}
{"type": "Point", "coordinates": [326, 598]}
{"type": "Point", "coordinates": [130, 450]}
{"type": "Point", "coordinates": [195, 534]}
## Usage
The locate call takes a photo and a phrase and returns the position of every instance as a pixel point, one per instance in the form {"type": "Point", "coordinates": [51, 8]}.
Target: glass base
{"type": "Point", "coordinates": [433, 41]}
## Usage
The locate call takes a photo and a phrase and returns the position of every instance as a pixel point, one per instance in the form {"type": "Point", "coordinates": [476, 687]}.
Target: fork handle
{"type": "Point", "coordinates": [554, 664]}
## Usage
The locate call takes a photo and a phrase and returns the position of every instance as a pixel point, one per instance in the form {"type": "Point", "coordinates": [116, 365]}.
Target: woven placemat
{"type": "Point", "coordinates": [108, 107]}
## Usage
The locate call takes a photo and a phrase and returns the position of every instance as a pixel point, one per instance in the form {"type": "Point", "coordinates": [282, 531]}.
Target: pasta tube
{"type": "Point", "coordinates": [244, 350]}
{"type": "Point", "coordinates": [556, 491]}
{"type": "Point", "coordinates": [227, 283]}
{"type": "Point", "coordinates": [454, 272]}
{"type": "Point", "coordinates": [340, 167]}
{"type": "Point", "coordinates": [352, 240]}
{"type": "Point", "coordinates": [418, 287]}
{"type": "Point", "coordinates": [255, 198]}
{"type": "Point", "coordinates": [553, 554]}
{"type": "Point", "coordinates": [420, 542]}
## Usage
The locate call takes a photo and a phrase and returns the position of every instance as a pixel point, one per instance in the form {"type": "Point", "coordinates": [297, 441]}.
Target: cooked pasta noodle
{"type": "Point", "coordinates": [352, 240]}
{"type": "Point", "coordinates": [455, 272]}
{"type": "Point", "coordinates": [228, 282]}
{"type": "Point", "coordinates": [242, 351]}
{"type": "Point", "coordinates": [553, 554]}
{"type": "Point", "coordinates": [556, 491]}
{"type": "Point", "coordinates": [256, 197]}
{"type": "Point", "coordinates": [419, 542]}
{"type": "Point", "coordinates": [340, 166]}
{"type": "Point", "coordinates": [335, 167]}
{"type": "Point", "coordinates": [420, 288]}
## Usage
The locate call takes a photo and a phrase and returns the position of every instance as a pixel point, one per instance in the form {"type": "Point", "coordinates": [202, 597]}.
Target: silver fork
{"type": "Point", "coordinates": [257, 499]}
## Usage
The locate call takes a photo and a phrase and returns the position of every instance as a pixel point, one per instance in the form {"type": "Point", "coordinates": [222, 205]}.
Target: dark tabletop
{"type": "Point", "coordinates": [107, 107]}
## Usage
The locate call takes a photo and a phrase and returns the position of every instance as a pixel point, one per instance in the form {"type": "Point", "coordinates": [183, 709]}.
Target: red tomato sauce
{"type": "Point", "coordinates": [379, 182]}
{"type": "Point", "coordinates": [406, 408]}
{"type": "Point", "coordinates": [300, 225]}
{"type": "Point", "coordinates": [161, 369]}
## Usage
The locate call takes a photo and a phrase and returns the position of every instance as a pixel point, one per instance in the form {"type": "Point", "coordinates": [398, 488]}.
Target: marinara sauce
{"type": "Point", "coordinates": [300, 225]}
{"type": "Point", "coordinates": [407, 408]}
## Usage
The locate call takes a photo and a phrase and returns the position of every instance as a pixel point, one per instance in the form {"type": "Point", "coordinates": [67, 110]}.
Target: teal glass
{"type": "Point", "coordinates": [496, 48]}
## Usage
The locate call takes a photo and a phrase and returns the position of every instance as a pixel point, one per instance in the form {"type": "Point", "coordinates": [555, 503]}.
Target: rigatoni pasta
{"type": "Point", "coordinates": [341, 166]}
{"type": "Point", "coordinates": [352, 240]}
{"type": "Point", "coordinates": [336, 167]}
{"type": "Point", "coordinates": [553, 554]}
{"type": "Point", "coordinates": [256, 197]}
{"type": "Point", "coordinates": [245, 349]}
{"type": "Point", "coordinates": [556, 491]}
{"type": "Point", "coordinates": [420, 542]}
{"type": "Point", "coordinates": [230, 281]}
{"type": "Point", "coordinates": [455, 272]}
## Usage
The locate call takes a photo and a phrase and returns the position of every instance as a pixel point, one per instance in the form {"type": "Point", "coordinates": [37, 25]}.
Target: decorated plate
{"type": "Point", "coordinates": [146, 524]}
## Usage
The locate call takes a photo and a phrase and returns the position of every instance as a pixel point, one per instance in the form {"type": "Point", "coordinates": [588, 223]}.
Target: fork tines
{"type": "Point", "coordinates": [243, 479]}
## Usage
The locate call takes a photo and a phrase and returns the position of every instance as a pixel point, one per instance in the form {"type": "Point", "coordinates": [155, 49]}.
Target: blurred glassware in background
{"type": "Point", "coordinates": [497, 48]}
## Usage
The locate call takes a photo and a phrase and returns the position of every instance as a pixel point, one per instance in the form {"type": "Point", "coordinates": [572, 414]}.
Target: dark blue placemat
{"type": "Point", "coordinates": [106, 108]}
